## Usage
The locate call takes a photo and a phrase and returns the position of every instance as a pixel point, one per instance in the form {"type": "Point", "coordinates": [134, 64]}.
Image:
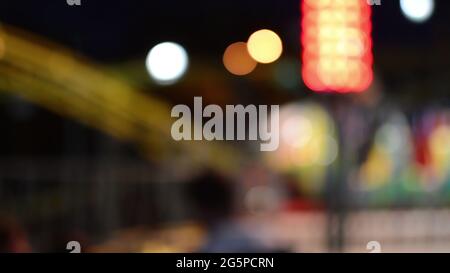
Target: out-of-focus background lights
{"type": "Point", "coordinates": [439, 146]}
{"type": "Point", "coordinates": [167, 62]}
{"type": "Point", "coordinates": [417, 11]}
{"type": "Point", "coordinates": [337, 45]}
{"type": "Point", "coordinates": [265, 46]}
{"type": "Point", "coordinates": [237, 60]}
{"type": "Point", "coordinates": [103, 169]}
{"type": "Point", "coordinates": [440, 150]}
{"type": "Point", "coordinates": [390, 154]}
{"type": "Point", "coordinates": [308, 144]}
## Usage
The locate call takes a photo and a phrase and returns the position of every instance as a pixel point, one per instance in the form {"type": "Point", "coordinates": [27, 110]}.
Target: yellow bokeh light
{"type": "Point", "coordinates": [378, 169]}
{"type": "Point", "coordinates": [237, 60]}
{"type": "Point", "coordinates": [265, 46]}
{"type": "Point", "coordinates": [440, 150]}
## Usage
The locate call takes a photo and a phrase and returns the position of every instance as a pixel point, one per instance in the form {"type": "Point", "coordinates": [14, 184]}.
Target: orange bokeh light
{"type": "Point", "coordinates": [337, 45]}
{"type": "Point", "coordinates": [237, 60]}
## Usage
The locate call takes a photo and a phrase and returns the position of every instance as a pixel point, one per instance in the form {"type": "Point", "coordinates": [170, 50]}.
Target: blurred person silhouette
{"type": "Point", "coordinates": [13, 238]}
{"type": "Point", "coordinates": [212, 197]}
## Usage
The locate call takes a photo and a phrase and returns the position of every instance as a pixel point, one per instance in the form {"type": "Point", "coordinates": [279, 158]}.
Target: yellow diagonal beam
{"type": "Point", "coordinates": [55, 78]}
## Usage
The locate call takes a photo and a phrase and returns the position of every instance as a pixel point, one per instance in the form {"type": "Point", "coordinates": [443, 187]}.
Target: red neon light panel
{"type": "Point", "coordinates": [337, 45]}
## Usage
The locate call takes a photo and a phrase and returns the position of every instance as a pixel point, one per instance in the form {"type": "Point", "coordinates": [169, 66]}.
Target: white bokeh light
{"type": "Point", "coordinates": [167, 62]}
{"type": "Point", "coordinates": [417, 11]}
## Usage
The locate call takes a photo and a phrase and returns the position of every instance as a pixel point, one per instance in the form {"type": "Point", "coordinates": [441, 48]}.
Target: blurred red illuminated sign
{"type": "Point", "coordinates": [337, 45]}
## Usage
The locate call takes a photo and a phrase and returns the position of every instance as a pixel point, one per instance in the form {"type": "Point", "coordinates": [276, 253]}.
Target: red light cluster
{"type": "Point", "coordinates": [337, 45]}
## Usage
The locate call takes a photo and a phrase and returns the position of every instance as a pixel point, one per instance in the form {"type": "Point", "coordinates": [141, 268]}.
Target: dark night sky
{"type": "Point", "coordinates": [115, 30]}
